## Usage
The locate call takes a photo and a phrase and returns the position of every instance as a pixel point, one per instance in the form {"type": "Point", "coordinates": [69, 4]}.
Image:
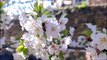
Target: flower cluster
{"type": "Point", "coordinates": [44, 37]}
{"type": "Point", "coordinates": [97, 49]}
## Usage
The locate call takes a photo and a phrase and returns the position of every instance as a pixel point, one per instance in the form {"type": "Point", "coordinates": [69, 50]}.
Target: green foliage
{"type": "Point", "coordinates": [1, 4]}
{"type": "Point", "coordinates": [65, 32]}
{"type": "Point", "coordinates": [25, 51]}
{"type": "Point", "coordinates": [86, 32]}
{"type": "Point", "coordinates": [21, 42]}
{"type": "Point", "coordinates": [46, 12]}
{"type": "Point", "coordinates": [61, 55]}
{"type": "Point", "coordinates": [17, 38]}
{"type": "Point", "coordinates": [38, 8]}
{"type": "Point", "coordinates": [36, 3]}
{"type": "Point", "coordinates": [98, 28]}
{"type": "Point", "coordinates": [50, 56]}
{"type": "Point", "coordinates": [81, 5]}
{"type": "Point", "coordinates": [38, 35]}
{"type": "Point", "coordinates": [20, 48]}
{"type": "Point", "coordinates": [1, 11]}
{"type": "Point", "coordinates": [105, 32]}
{"type": "Point", "coordinates": [35, 6]}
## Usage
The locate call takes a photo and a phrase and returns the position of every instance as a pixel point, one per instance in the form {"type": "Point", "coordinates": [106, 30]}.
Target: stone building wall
{"type": "Point", "coordinates": [97, 2]}
{"type": "Point", "coordinates": [94, 15]}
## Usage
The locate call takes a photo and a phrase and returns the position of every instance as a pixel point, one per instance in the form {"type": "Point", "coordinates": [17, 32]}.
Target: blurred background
{"type": "Point", "coordinates": [78, 12]}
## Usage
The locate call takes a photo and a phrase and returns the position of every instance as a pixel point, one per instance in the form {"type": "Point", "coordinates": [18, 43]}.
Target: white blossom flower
{"type": "Point", "coordinates": [43, 18]}
{"type": "Point", "coordinates": [33, 41]}
{"type": "Point", "coordinates": [102, 41]}
{"type": "Point", "coordinates": [18, 56]}
{"type": "Point", "coordinates": [52, 29]}
{"type": "Point", "coordinates": [99, 41]}
{"type": "Point", "coordinates": [91, 52]}
{"type": "Point", "coordinates": [23, 19]}
{"type": "Point", "coordinates": [65, 42]}
{"type": "Point", "coordinates": [62, 22]}
{"type": "Point", "coordinates": [34, 27]}
{"type": "Point", "coordinates": [52, 48]}
{"type": "Point", "coordinates": [101, 56]}
{"type": "Point", "coordinates": [44, 55]}
{"type": "Point", "coordinates": [35, 45]}
{"type": "Point", "coordinates": [71, 31]}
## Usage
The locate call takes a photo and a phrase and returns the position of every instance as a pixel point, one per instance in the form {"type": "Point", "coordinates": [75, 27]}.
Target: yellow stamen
{"type": "Point", "coordinates": [102, 39]}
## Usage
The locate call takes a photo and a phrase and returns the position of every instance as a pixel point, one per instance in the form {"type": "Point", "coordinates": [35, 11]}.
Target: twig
{"type": "Point", "coordinates": [76, 48]}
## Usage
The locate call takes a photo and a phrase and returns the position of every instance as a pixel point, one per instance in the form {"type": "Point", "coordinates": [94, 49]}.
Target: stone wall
{"type": "Point", "coordinates": [78, 18]}
{"type": "Point", "coordinates": [97, 2]}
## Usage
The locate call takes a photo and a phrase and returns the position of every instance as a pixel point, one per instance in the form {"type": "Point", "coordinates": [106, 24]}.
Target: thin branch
{"type": "Point", "coordinates": [76, 48]}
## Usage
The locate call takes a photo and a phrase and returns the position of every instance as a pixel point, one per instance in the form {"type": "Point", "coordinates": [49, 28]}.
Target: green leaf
{"type": "Point", "coordinates": [38, 35]}
{"type": "Point", "coordinates": [1, 11]}
{"type": "Point", "coordinates": [98, 28]}
{"type": "Point", "coordinates": [35, 9]}
{"type": "Point", "coordinates": [20, 42]}
{"type": "Point", "coordinates": [46, 12]}
{"type": "Point", "coordinates": [65, 32]}
{"type": "Point", "coordinates": [17, 38]}
{"type": "Point", "coordinates": [1, 4]}
{"type": "Point", "coordinates": [40, 8]}
{"type": "Point", "coordinates": [49, 16]}
{"type": "Point", "coordinates": [36, 3]}
{"type": "Point", "coordinates": [81, 5]}
{"type": "Point", "coordinates": [50, 56]}
{"type": "Point", "coordinates": [25, 51]}
{"type": "Point", "coordinates": [61, 55]}
{"type": "Point", "coordinates": [20, 48]}
{"type": "Point", "coordinates": [86, 32]}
